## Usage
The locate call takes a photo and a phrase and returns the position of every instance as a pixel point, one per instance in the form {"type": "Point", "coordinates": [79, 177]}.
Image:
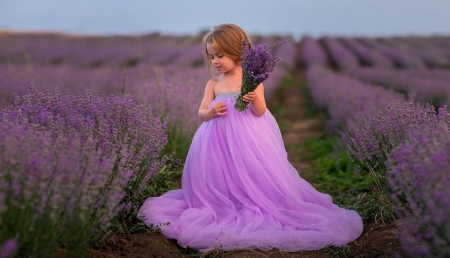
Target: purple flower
{"type": "Point", "coordinates": [313, 53]}
{"type": "Point", "coordinates": [257, 63]}
{"type": "Point", "coordinates": [8, 248]}
{"type": "Point", "coordinates": [418, 172]}
{"type": "Point", "coordinates": [340, 55]}
{"type": "Point", "coordinates": [76, 158]}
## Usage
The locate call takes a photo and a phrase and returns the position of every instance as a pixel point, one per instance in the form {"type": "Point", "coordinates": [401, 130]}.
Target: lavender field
{"type": "Point", "coordinates": [388, 99]}
{"type": "Point", "coordinates": [87, 123]}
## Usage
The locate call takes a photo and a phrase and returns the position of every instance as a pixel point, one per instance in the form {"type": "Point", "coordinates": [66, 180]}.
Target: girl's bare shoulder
{"type": "Point", "coordinates": [212, 83]}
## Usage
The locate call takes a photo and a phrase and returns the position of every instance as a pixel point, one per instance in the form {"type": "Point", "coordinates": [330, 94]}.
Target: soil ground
{"type": "Point", "coordinates": [377, 240]}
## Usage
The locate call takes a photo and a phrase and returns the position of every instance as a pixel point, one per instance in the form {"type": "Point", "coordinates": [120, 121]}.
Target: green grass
{"type": "Point", "coordinates": [334, 174]}
{"type": "Point", "coordinates": [178, 143]}
{"type": "Point", "coordinates": [276, 105]}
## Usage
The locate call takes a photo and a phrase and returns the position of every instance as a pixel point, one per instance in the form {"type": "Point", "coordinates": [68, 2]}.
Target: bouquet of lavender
{"type": "Point", "coordinates": [257, 63]}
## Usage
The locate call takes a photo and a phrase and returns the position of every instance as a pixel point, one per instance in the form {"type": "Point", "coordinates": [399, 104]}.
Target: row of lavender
{"type": "Point", "coordinates": [170, 91]}
{"type": "Point", "coordinates": [174, 89]}
{"type": "Point", "coordinates": [421, 85]}
{"type": "Point", "coordinates": [404, 147]}
{"type": "Point", "coordinates": [73, 159]}
{"type": "Point", "coordinates": [70, 163]}
{"type": "Point", "coordinates": [402, 52]}
{"type": "Point", "coordinates": [98, 51]}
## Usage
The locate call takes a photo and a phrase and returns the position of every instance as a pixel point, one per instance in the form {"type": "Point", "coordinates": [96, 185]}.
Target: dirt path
{"type": "Point", "coordinates": [290, 107]}
{"type": "Point", "coordinates": [297, 126]}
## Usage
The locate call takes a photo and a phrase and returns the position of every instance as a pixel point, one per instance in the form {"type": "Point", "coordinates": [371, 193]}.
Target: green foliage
{"type": "Point", "coordinates": [319, 147]}
{"type": "Point", "coordinates": [286, 81]}
{"type": "Point", "coordinates": [341, 181]}
{"type": "Point", "coordinates": [164, 181]}
{"type": "Point", "coordinates": [39, 233]}
{"type": "Point", "coordinates": [369, 205]}
{"type": "Point", "coordinates": [334, 170]}
{"type": "Point", "coordinates": [177, 143]}
{"type": "Point", "coordinates": [333, 251]}
{"type": "Point", "coordinates": [335, 175]}
{"type": "Point", "coordinates": [276, 106]}
{"type": "Point", "coordinates": [168, 178]}
{"type": "Point", "coordinates": [312, 110]}
{"type": "Point", "coordinates": [22, 220]}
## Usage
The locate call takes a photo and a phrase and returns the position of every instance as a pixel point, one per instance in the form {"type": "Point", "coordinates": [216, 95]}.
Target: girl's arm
{"type": "Point", "coordinates": [219, 109]}
{"type": "Point", "coordinates": [257, 99]}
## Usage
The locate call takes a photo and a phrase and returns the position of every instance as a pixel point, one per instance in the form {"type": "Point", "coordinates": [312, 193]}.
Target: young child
{"type": "Point", "coordinates": [239, 190]}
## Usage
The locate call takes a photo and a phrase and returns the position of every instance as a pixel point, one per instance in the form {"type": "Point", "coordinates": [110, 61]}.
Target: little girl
{"type": "Point", "coordinates": [239, 190]}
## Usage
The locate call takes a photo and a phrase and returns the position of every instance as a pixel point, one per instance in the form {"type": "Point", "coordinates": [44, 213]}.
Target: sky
{"type": "Point", "coordinates": [180, 17]}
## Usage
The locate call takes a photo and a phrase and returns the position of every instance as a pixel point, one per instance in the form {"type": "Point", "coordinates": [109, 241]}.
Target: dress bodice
{"type": "Point", "coordinates": [227, 95]}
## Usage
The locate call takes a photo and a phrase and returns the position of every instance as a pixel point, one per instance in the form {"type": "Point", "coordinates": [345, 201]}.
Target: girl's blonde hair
{"type": "Point", "coordinates": [227, 39]}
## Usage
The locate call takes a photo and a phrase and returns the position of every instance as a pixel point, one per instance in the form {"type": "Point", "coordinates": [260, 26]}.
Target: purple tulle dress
{"type": "Point", "coordinates": [239, 191]}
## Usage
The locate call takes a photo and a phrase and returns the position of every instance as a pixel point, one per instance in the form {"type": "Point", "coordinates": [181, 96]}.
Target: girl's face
{"type": "Point", "coordinates": [221, 63]}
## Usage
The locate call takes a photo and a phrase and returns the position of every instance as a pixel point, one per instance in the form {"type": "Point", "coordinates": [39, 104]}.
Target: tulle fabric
{"type": "Point", "coordinates": [239, 191]}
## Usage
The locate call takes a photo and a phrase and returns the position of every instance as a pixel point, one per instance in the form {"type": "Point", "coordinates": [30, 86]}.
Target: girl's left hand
{"type": "Point", "coordinates": [249, 97]}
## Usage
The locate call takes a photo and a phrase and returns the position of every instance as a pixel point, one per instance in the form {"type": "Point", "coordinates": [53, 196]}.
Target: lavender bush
{"type": "Point", "coordinates": [418, 172]}
{"type": "Point", "coordinates": [312, 52]}
{"type": "Point", "coordinates": [340, 55]}
{"type": "Point", "coordinates": [59, 188]}
{"type": "Point", "coordinates": [371, 146]}
{"type": "Point", "coordinates": [367, 56]}
{"type": "Point", "coordinates": [430, 55]}
{"type": "Point", "coordinates": [172, 91]}
{"type": "Point", "coordinates": [439, 43]}
{"type": "Point", "coordinates": [421, 85]}
{"type": "Point", "coordinates": [71, 162]}
{"type": "Point", "coordinates": [115, 123]}
{"type": "Point", "coordinates": [398, 56]}
{"type": "Point", "coordinates": [15, 79]}
{"type": "Point", "coordinates": [56, 49]}
{"type": "Point", "coordinates": [350, 103]}
{"type": "Point", "coordinates": [435, 74]}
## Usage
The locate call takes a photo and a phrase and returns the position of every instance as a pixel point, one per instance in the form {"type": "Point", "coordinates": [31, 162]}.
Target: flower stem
{"type": "Point", "coordinates": [240, 104]}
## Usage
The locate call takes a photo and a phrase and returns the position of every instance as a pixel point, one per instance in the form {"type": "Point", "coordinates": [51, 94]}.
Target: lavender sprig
{"type": "Point", "coordinates": [257, 62]}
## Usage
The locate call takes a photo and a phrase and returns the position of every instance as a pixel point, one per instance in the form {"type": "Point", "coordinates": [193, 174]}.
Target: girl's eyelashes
{"type": "Point", "coordinates": [218, 55]}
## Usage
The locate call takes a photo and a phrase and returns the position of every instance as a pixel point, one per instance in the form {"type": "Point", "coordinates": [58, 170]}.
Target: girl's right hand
{"type": "Point", "coordinates": [219, 109]}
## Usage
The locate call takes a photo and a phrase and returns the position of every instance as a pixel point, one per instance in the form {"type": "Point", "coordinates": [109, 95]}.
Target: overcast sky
{"type": "Point", "coordinates": [293, 17]}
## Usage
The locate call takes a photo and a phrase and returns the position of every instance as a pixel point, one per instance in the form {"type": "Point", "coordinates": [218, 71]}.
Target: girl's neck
{"type": "Point", "coordinates": [235, 72]}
